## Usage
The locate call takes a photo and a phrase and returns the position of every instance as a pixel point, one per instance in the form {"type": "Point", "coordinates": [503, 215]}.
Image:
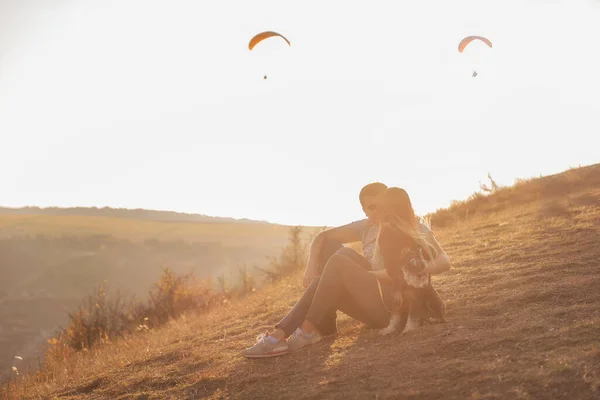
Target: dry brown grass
{"type": "Point", "coordinates": [523, 310]}
{"type": "Point", "coordinates": [553, 188]}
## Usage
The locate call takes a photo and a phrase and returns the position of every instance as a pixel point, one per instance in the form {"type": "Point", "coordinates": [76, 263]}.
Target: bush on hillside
{"type": "Point", "coordinates": [102, 318]}
{"type": "Point", "coordinates": [293, 257]}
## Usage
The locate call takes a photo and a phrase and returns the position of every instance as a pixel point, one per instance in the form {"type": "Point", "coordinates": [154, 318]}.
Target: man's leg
{"type": "Point", "coordinates": [355, 256]}
{"type": "Point", "coordinates": [347, 286]}
{"type": "Point", "coordinates": [297, 314]}
{"type": "Point", "coordinates": [330, 247]}
{"type": "Point", "coordinates": [273, 345]}
{"type": "Point", "coordinates": [348, 303]}
{"type": "Point", "coordinates": [328, 325]}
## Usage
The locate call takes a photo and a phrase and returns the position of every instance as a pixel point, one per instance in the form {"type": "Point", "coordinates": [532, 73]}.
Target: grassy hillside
{"type": "Point", "coordinates": [523, 311]}
{"type": "Point", "coordinates": [48, 263]}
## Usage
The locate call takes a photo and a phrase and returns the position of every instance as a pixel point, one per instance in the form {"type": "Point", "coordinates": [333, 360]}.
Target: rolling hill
{"type": "Point", "coordinates": [523, 322]}
{"type": "Point", "coordinates": [50, 261]}
{"type": "Point", "coordinates": [154, 215]}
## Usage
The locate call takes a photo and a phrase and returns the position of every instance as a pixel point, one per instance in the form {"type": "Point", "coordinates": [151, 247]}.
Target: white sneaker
{"type": "Point", "coordinates": [299, 339]}
{"type": "Point", "coordinates": [265, 347]}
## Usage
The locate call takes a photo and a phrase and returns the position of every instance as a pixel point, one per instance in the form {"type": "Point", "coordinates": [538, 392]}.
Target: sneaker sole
{"type": "Point", "coordinates": [269, 355]}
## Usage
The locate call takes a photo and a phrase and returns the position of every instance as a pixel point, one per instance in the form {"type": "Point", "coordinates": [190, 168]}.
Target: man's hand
{"type": "Point", "coordinates": [382, 275]}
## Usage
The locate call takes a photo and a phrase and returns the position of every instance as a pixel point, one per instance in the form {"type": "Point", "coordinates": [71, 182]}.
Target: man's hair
{"type": "Point", "coordinates": [372, 189]}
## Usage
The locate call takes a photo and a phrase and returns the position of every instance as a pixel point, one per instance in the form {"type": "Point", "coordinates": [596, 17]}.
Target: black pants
{"type": "Point", "coordinates": [345, 285]}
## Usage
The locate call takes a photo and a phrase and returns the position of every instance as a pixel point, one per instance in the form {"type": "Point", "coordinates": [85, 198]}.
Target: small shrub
{"type": "Point", "coordinates": [292, 258]}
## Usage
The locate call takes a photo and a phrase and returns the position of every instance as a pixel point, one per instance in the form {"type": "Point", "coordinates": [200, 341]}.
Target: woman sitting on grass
{"type": "Point", "coordinates": [349, 281]}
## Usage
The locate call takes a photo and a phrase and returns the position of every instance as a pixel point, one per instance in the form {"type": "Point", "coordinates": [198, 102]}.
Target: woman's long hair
{"type": "Point", "coordinates": [400, 217]}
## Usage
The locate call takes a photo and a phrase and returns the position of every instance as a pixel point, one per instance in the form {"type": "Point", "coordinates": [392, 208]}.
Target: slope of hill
{"type": "Point", "coordinates": [523, 311]}
{"type": "Point", "coordinates": [138, 213]}
{"type": "Point", "coordinates": [48, 263]}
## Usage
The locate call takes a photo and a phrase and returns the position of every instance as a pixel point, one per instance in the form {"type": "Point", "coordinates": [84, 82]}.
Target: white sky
{"type": "Point", "coordinates": [160, 105]}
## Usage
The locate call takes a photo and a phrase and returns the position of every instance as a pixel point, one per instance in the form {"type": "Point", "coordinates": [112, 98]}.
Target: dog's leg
{"type": "Point", "coordinates": [394, 322]}
{"type": "Point", "coordinates": [395, 317]}
{"type": "Point", "coordinates": [411, 325]}
{"type": "Point", "coordinates": [399, 317]}
{"type": "Point", "coordinates": [418, 312]}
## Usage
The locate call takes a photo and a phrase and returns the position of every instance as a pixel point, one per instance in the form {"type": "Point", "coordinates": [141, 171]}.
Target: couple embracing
{"type": "Point", "coordinates": [388, 287]}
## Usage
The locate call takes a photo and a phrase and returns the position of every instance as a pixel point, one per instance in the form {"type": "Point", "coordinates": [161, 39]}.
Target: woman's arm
{"type": "Point", "coordinates": [441, 263]}
{"type": "Point", "coordinates": [392, 251]}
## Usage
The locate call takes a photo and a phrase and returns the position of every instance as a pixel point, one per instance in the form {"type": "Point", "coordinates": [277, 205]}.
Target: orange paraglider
{"type": "Point", "coordinates": [465, 42]}
{"type": "Point", "coordinates": [265, 35]}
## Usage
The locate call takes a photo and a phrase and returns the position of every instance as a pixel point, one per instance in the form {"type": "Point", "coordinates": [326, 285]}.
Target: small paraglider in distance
{"type": "Point", "coordinates": [259, 37]}
{"type": "Point", "coordinates": [465, 42]}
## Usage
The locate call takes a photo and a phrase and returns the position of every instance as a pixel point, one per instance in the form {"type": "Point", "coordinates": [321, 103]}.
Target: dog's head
{"type": "Point", "coordinates": [410, 270]}
{"type": "Point", "coordinates": [413, 268]}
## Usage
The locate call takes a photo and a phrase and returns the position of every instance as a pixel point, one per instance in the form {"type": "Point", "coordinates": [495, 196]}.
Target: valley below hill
{"type": "Point", "coordinates": [50, 260]}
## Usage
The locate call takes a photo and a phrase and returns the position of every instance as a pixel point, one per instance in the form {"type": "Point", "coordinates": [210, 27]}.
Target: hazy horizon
{"type": "Point", "coordinates": [132, 104]}
{"type": "Point", "coordinates": [487, 183]}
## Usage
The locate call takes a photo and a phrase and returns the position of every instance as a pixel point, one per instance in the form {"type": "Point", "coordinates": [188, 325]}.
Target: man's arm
{"type": "Point", "coordinates": [382, 275]}
{"type": "Point", "coordinates": [343, 234]}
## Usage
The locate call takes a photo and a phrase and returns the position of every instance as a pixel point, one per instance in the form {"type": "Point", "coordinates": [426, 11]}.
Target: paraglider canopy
{"type": "Point", "coordinates": [256, 39]}
{"type": "Point", "coordinates": [465, 42]}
